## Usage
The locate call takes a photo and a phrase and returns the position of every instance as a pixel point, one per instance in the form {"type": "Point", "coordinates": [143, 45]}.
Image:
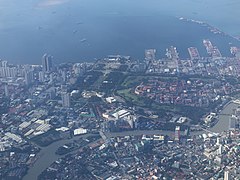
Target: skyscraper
{"type": "Point", "coordinates": [41, 76]}
{"type": "Point", "coordinates": [177, 133]}
{"type": "Point", "coordinates": [65, 99]}
{"type": "Point", "coordinates": [47, 63]}
{"type": "Point", "coordinates": [226, 175]}
{"type": "Point", "coordinates": [28, 77]}
{"type": "Point", "coordinates": [6, 91]}
{"type": "Point", "coordinates": [52, 92]}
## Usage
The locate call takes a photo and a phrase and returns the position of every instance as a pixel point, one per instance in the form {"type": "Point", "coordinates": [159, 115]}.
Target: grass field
{"type": "Point", "coordinates": [131, 97]}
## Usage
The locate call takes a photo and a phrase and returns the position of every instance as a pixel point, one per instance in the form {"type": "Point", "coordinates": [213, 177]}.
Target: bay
{"type": "Point", "coordinates": [82, 30]}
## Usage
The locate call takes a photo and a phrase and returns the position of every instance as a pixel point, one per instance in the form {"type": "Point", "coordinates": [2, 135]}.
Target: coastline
{"type": "Point", "coordinates": [211, 28]}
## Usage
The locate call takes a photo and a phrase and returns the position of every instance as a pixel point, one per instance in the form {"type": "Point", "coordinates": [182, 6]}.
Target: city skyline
{"type": "Point", "coordinates": [116, 90]}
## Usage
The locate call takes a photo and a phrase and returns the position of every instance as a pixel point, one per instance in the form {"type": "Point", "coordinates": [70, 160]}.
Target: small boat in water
{"type": "Point", "coordinates": [83, 40]}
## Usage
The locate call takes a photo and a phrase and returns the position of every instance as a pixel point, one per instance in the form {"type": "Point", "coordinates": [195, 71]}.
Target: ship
{"type": "Point", "coordinates": [83, 40]}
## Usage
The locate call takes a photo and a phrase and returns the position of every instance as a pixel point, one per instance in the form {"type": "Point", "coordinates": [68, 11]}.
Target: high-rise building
{"type": "Point", "coordinates": [65, 99]}
{"type": "Point", "coordinates": [4, 64]}
{"type": "Point", "coordinates": [8, 71]}
{"type": "Point", "coordinates": [6, 91]}
{"type": "Point", "coordinates": [47, 63]}
{"type": "Point", "coordinates": [52, 92]}
{"type": "Point", "coordinates": [226, 175]}
{"type": "Point", "coordinates": [51, 78]}
{"type": "Point", "coordinates": [28, 77]}
{"type": "Point", "coordinates": [218, 141]}
{"type": "Point", "coordinates": [177, 133]}
{"type": "Point", "coordinates": [41, 76]}
{"type": "Point", "coordinates": [220, 150]}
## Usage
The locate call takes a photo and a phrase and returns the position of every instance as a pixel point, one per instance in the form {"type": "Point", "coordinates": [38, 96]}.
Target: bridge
{"type": "Point", "coordinates": [224, 114]}
{"type": "Point", "coordinates": [208, 131]}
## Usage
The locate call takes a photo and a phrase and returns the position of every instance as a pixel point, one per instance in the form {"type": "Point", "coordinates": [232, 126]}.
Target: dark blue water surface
{"type": "Point", "coordinates": [81, 30]}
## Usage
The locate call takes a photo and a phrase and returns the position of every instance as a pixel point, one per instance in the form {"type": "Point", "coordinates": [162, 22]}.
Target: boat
{"type": "Point", "coordinates": [83, 40]}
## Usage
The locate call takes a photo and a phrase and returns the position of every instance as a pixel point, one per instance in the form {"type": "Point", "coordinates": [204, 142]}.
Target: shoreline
{"type": "Point", "coordinates": [211, 28]}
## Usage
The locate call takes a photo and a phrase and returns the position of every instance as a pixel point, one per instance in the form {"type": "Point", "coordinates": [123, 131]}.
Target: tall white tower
{"type": "Point", "coordinates": [226, 175]}
{"type": "Point", "coordinates": [47, 63]}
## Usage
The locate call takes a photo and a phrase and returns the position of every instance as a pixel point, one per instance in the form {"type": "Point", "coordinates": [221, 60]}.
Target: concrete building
{"type": "Point", "coordinates": [41, 76]}
{"type": "Point", "coordinates": [28, 77]}
{"type": "Point", "coordinates": [47, 63]}
{"type": "Point", "coordinates": [8, 71]}
{"type": "Point", "coordinates": [6, 90]}
{"type": "Point", "coordinates": [52, 92]}
{"type": "Point", "coordinates": [79, 68]}
{"type": "Point", "coordinates": [150, 54]}
{"type": "Point", "coordinates": [177, 133]}
{"type": "Point", "coordinates": [111, 100]}
{"type": "Point", "coordinates": [226, 175]}
{"type": "Point", "coordinates": [79, 131]}
{"type": "Point", "coordinates": [65, 99]}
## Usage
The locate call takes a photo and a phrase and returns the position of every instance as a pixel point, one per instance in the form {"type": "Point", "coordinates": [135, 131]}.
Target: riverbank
{"type": "Point", "coordinates": [47, 156]}
{"type": "Point", "coordinates": [224, 115]}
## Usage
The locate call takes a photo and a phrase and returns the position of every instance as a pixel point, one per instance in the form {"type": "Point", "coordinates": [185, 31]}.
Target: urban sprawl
{"type": "Point", "coordinates": [120, 118]}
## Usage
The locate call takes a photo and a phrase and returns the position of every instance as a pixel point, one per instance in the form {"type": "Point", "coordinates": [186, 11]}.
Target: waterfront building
{"type": "Point", "coordinates": [150, 54]}
{"type": "Point", "coordinates": [3, 63]}
{"type": "Point", "coordinates": [193, 52]}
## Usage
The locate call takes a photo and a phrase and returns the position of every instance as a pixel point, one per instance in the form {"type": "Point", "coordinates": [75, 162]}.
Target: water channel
{"type": "Point", "coordinates": [47, 154]}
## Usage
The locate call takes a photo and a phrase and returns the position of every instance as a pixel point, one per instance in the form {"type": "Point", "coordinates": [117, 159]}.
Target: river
{"type": "Point", "coordinates": [225, 114]}
{"type": "Point", "coordinates": [47, 156]}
